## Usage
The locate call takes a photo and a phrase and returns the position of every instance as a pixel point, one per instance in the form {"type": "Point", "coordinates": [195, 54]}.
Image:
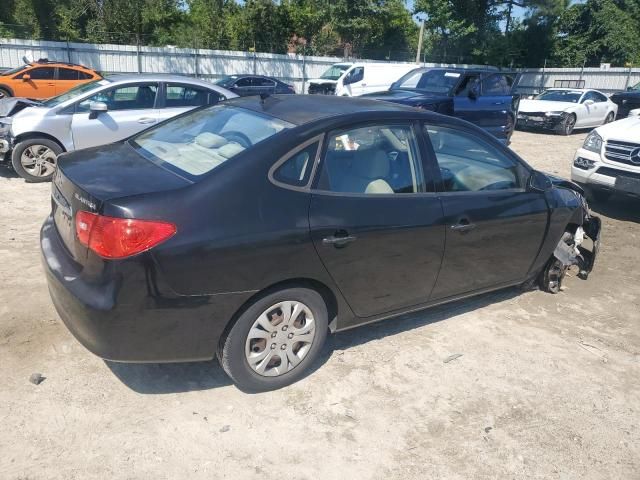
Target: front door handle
{"type": "Point", "coordinates": [146, 120]}
{"type": "Point", "coordinates": [339, 239]}
{"type": "Point", "coordinates": [463, 226]}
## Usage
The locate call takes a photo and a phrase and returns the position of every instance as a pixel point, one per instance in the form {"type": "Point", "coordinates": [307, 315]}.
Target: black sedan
{"type": "Point", "coordinates": [627, 100]}
{"type": "Point", "coordinates": [250, 230]}
{"type": "Point", "coordinates": [246, 85]}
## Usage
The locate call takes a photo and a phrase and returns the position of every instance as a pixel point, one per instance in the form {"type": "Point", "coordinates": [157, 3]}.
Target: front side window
{"type": "Point", "coordinates": [243, 82]}
{"type": "Point", "coordinates": [196, 143]}
{"type": "Point", "coordinates": [39, 73]}
{"type": "Point", "coordinates": [185, 96]}
{"type": "Point", "coordinates": [374, 159]}
{"type": "Point", "coordinates": [469, 164]}
{"type": "Point", "coordinates": [128, 97]}
{"type": "Point", "coordinates": [469, 83]}
{"type": "Point", "coordinates": [497, 84]}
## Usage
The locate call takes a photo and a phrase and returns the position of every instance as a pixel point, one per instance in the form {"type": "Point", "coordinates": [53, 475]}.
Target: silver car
{"type": "Point", "coordinates": [33, 134]}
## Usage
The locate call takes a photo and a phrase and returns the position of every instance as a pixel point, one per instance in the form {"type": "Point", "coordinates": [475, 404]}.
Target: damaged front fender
{"type": "Point", "coordinates": [572, 250]}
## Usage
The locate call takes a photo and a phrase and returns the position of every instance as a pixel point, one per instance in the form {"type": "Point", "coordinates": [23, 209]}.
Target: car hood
{"type": "Point", "coordinates": [527, 106]}
{"type": "Point", "coordinates": [406, 95]}
{"type": "Point", "coordinates": [627, 129]}
{"type": "Point", "coordinates": [12, 105]}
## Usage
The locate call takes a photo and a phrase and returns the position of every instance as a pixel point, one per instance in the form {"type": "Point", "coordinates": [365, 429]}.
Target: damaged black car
{"type": "Point", "coordinates": [251, 229]}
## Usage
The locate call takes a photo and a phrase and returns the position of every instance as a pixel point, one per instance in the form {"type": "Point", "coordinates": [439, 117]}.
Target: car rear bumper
{"type": "Point", "coordinates": [155, 328]}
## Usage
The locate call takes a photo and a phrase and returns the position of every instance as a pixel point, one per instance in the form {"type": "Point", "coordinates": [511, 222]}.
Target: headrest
{"type": "Point", "coordinates": [230, 149]}
{"type": "Point", "coordinates": [210, 140]}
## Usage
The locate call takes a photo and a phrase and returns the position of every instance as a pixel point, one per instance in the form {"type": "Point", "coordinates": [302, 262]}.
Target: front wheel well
{"type": "Point", "coordinates": [7, 89]}
{"type": "Point", "coordinates": [26, 136]}
{"type": "Point", "coordinates": [325, 292]}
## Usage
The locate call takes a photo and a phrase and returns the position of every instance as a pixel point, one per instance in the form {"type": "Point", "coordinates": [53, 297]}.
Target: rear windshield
{"type": "Point", "coordinates": [196, 143]}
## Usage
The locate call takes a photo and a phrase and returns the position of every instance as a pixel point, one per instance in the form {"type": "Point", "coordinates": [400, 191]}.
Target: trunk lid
{"type": "Point", "coordinates": [86, 180]}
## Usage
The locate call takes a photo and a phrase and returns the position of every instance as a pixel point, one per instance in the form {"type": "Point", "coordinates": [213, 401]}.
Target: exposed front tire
{"type": "Point", "coordinates": [567, 125]}
{"type": "Point", "coordinates": [275, 340]}
{"type": "Point", "coordinates": [4, 93]}
{"type": "Point", "coordinates": [35, 159]}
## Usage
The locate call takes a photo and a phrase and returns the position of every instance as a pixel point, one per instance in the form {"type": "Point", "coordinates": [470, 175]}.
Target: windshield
{"type": "Point", "coordinates": [200, 141]}
{"type": "Point", "coordinates": [334, 72]}
{"type": "Point", "coordinates": [433, 81]}
{"type": "Point", "coordinates": [14, 70]}
{"type": "Point", "coordinates": [635, 87]}
{"type": "Point", "coordinates": [560, 96]}
{"type": "Point", "coordinates": [74, 92]}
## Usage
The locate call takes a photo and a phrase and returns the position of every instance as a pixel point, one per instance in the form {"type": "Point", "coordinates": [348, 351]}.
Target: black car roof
{"type": "Point", "coordinates": [301, 109]}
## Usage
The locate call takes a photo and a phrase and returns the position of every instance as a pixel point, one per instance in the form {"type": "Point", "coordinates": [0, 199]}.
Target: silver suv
{"type": "Point", "coordinates": [33, 134]}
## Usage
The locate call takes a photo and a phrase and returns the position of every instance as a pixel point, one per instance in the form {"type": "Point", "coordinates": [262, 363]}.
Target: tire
{"type": "Point", "coordinates": [567, 125]}
{"type": "Point", "coordinates": [245, 352]}
{"type": "Point", "coordinates": [610, 118]}
{"type": "Point", "coordinates": [44, 153]}
{"type": "Point", "coordinates": [598, 195]}
{"type": "Point", "coordinates": [4, 93]}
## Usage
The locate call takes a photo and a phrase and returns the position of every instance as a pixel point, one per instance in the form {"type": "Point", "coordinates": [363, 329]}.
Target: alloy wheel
{"type": "Point", "coordinates": [39, 160]}
{"type": "Point", "coordinates": [570, 123]}
{"type": "Point", "coordinates": [280, 338]}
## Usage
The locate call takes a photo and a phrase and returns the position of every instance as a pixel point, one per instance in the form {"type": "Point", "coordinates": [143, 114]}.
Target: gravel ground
{"type": "Point", "coordinates": [546, 385]}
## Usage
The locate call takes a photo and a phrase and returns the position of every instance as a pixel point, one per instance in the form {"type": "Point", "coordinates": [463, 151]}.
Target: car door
{"type": "Point", "coordinates": [264, 85]}
{"type": "Point", "coordinates": [177, 98]}
{"type": "Point", "coordinates": [592, 111]}
{"type": "Point", "coordinates": [496, 101]}
{"type": "Point", "coordinates": [373, 223]}
{"type": "Point", "coordinates": [37, 82]}
{"type": "Point", "coordinates": [243, 86]}
{"type": "Point", "coordinates": [465, 103]}
{"type": "Point", "coordinates": [494, 225]}
{"type": "Point", "coordinates": [130, 109]}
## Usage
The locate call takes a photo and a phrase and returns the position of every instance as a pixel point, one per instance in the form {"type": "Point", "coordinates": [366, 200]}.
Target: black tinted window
{"type": "Point", "coordinates": [185, 96]}
{"type": "Point", "coordinates": [296, 170]}
{"type": "Point", "coordinates": [84, 76]}
{"type": "Point", "coordinates": [264, 82]}
{"type": "Point", "coordinates": [468, 163]}
{"type": "Point", "coordinates": [244, 82]}
{"type": "Point", "coordinates": [372, 160]}
{"type": "Point", "coordinates": [40, 73]}
{"type": "Point", "coordinates": [467, 83]}
{"type": "Point", "coordinates": [67, 74]}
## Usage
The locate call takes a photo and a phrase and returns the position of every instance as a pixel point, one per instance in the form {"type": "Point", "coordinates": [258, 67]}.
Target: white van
{"type": "Point", "coordinates": [363, 78]}
{"type": "Point", "coordinates": [326, 83]}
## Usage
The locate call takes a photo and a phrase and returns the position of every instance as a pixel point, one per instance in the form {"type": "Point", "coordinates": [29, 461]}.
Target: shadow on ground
{"type": "Point", "coordinates": [618, 207]}
{"type": "Point", "coordinates": [6, 172]}
{"type": "Point", "coordinates": [187, 377]}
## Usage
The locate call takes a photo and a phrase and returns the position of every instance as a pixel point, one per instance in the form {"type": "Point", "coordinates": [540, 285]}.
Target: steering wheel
{"type": "Point", "coordinates": [237, 137]}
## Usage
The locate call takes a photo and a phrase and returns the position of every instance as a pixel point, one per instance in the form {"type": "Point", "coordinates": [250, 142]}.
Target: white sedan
{"type": "Point", "coordinates": [564, 109]}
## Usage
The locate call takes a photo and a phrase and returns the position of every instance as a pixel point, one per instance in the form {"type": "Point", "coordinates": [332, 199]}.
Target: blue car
{"type": "Point", "coordinates": [483, 97]}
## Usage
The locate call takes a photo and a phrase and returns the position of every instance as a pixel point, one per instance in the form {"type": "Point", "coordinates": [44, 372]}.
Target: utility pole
{"type": "Point", "coordinates": [420, 42]}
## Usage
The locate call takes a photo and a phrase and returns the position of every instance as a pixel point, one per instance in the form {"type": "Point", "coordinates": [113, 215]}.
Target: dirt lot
{"type": "Point", "coordinates": [548, 386]}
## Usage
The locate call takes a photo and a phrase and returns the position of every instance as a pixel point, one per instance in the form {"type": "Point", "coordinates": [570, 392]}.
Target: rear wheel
{"type": "Point", "coordinates": [567, 125]}
{"type": "Point", "coordinates": [35, 159]}
{"type": "Point", "coordinates": [4, 93]}
{"type": "Point", "coordinates": [610, 118]}
{"type": "Point", "coordinates": [276, 340]}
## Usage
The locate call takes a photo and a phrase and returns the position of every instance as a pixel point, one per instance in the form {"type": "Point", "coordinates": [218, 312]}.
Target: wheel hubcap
{"type": "Point", "coordinates": [38, 160]}
{"type": "Point", "coordinates": [280, 338]}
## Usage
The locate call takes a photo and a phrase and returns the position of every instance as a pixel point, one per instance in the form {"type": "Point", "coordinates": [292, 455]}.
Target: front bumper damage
{"type": "Point", "coordinates": [577, 247]}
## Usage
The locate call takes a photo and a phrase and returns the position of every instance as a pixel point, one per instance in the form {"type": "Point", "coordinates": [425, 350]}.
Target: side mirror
{"type": "Point", "coordinates": [589, 102]}
{"type": "Point", "coordinates": [538, 182]}
{"type": "Point", "coordinates": [96, 108]}
{"type": "Point", "coordinates": [26, 77]}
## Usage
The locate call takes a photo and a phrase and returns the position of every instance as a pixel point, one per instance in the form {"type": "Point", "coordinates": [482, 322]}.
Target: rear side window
{"type": "Point", "coordinates": [198, 142]}
{"type": "Point", "coordinates": [67, 74]}
{"type": "Point", "coordinates": [296, 169]}
{"type": "Point", "coordinates": [469, 164]}
{"type": "Point", "coordinates": [185, 96]}
{"type": "Point", "coordinates": [84, 76]}
{"type": "Point", "coordinates": [376, 159]}
{"type": "Point", "coordinates": [129, 97]}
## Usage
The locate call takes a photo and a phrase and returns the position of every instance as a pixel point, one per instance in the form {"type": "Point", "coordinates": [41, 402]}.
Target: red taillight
{"type": "Point", "coordinates": [112, 237]}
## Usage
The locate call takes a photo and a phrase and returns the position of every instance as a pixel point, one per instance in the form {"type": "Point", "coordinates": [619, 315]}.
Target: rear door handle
{"type": "Point", "coordinates": [338, 241]}
{"type": "Point", "coordinates": [146, 120]}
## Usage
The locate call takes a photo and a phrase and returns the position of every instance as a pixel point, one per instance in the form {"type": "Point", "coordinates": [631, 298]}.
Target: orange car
{"type": "Point", "coordinates": [44, 79]}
